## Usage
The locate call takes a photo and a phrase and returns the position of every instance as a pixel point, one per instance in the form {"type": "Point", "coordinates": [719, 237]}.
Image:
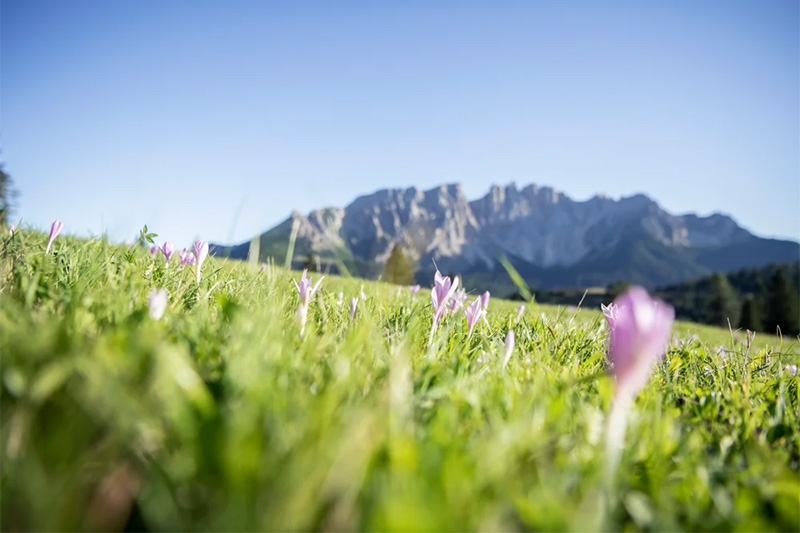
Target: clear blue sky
{"type": "Point", "coordinates": [216, 119]}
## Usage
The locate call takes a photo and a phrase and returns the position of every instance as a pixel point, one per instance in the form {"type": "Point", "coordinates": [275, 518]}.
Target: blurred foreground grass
{"type": "Point", "coordinates": [219, 417]}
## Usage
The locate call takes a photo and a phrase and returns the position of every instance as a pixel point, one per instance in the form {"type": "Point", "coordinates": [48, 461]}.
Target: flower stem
{"type": "Point", "coordinates": [433, 330]}
{"type": "Point", "coordinates": [615, 434]}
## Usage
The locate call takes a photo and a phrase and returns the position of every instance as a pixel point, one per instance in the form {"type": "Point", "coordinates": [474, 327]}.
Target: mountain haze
{"type": "Point", "coordinates": [552, 240]}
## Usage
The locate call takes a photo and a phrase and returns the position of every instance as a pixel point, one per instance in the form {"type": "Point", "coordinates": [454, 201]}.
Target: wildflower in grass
{"type": "Point", "coordinates": [187, 257]}
{"type": "Point", "coordinates": [362, 295]}
{"type": "Point", "coordinates": [485, 306]}
{"type": "Point", "coordinates": [509, 346]}
{"type": "Point", "coordinates": [306, 292]}
{"type": "Point", "coordinates": [485, 300]}
{"type": "Point", "coordinates": [200, 253]}
{"type": "Point", "coordinates": [640, 328]}
{"type": "Point", "coordinates": [55, 229]}
{"type": "Point", "coordinates": [520, 311]}
{"type": "Point", "coordinates": [414, 289]}
{"type": "Point", "coordinates": [340, 298]}
{"type": "Point", "coordinates": [458, 300]}
{"type": "Point", "coordinates": [11, 229]}
{"type": "Point", "coordinates": [353, 304]}
{"type": "Point", "coordinates": [474, 312]}
{"type": "Point", "coordinates": [443, 290]}
{"type": "Point", "coordinates": [610, 313]}
{"type": "Point", "coordinates": [157, 301]}
{"type": "Point", "coordinates": [791, 370]}
{"type": "Point", "coordinates": [167, 249]}
{"type": "Point", "coordinates": [153, 250]}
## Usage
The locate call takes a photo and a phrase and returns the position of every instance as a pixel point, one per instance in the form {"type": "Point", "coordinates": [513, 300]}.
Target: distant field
{"type": "Point", "coordinates": [219, 416]}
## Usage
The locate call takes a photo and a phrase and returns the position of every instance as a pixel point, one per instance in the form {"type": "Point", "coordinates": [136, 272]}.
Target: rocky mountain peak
{"type": "Point", "coordinates": [536, 225]}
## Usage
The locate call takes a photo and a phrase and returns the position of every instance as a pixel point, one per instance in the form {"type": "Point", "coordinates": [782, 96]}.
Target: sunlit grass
{"type": "Point", "coordinates": [220, 416]}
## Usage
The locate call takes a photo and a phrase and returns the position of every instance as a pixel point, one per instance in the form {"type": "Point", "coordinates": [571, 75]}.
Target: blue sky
{"type": "Point", "coordinates": [216, 119]}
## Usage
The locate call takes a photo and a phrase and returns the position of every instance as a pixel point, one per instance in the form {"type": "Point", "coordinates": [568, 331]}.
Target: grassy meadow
{"type": "Point", "coordinates": [219, 416]}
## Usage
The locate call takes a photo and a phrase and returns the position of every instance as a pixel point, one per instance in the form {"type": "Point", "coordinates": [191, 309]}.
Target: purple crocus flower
{"type": "Point", "coordinates": [153, 250]}
{"type": "Point", "coordinates": [353, 304]}
{"type": "Point", "coordinates": [474, 313]}
{"type": "Point", "coordinates": [640, 328]}
{"type": "Point", "coordinates": [11, 229]}
{"type": "Point", "coordinates": [458, 300]}
{"type": "Point", "coordinates": [187, 257]}
{"type": "Point", "coordinates": [200, 253]}
{"type": "Point", "coordinates": [610, 313]}
{"type": "Point", "coordinates": [306, 292]}
{"type": "Point", "coordinates": [304, 289]}
{"type": "Point", "coordinates": [167, 249]}
{"type": "Point", "coordinates": [443, 290]}
{"type": "Point", "coordinates": [509, 346]}
{"type": "Point", "coordinates": [520, 311]}
{"type": "Point", "coordinates": [485, 306]}
{"type": "Point", "coordinates": [639, 331]}
{"type": "Point", "coordinates": [55, 229]}
{"type": "Point", "coordinates": [415, 289]}
{"type": "Point", "coordinates": [791, 370]}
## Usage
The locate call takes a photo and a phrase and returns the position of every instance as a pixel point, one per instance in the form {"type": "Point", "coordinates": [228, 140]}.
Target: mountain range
{"type": "Point", "coordinates": [551, 239]}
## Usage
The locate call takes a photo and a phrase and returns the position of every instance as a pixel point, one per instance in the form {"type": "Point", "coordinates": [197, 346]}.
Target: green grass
{"type": "Point", "coordinates": [219, 417]}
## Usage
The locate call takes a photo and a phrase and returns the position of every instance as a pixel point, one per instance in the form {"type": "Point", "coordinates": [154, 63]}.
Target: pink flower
{"type": "Point", "coordinates": [610, 313]}
{"type": "Point", "coordinates": [640, 329]}
{"type": "Point", "coordinates": [11, 229]}
{"type": "Point", "coordinates": [187, 258]}
{"type": "Point", "coordinates": [353, 304]}
{"type": "Point", "coordinates": [485, 306]}
{"type": "Point", "coordinates": [520, 311]}
{"type": "Point", "coordinates": [474, 313]}
{"type": "Point", "coordinates": [304, 289]}
{"type": "Point", "coordinates": [306, 292]}
{"type": "Point", "coordinates": [443, 290]}
{"type": "Point", "coordinates": [458, 300]}
{"type": "Point", "coordinates": [200, 253]}
{"type": "Point", "coordinates": [55, 229]}
{"type": "Point", "coordinates": [509, 346]}
{"type": "Point", "coordinates": [167, 249]}
{"type": "Point", "coordinates": [414, 289]}
{"type": "Point", "coordinates": [153, 250]}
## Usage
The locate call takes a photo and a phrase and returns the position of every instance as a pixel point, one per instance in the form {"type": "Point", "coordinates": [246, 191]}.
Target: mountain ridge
{"type": "Point", "coordinates": [552, 239]}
